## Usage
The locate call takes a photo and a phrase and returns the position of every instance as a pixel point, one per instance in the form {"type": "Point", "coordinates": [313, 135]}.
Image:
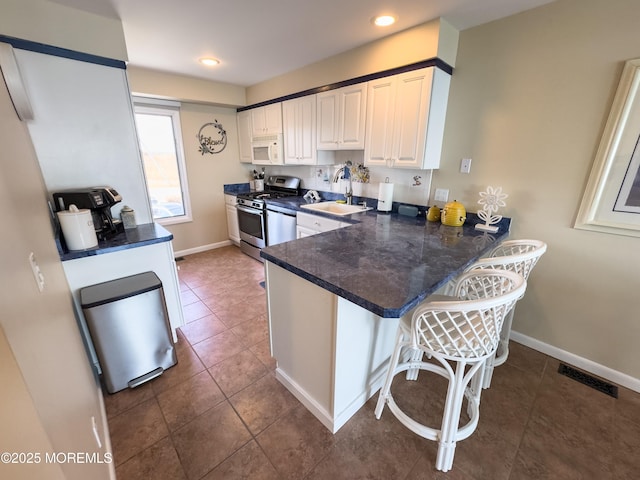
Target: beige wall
{"type": "Point", "coordinates": [157, 84]}
{"type": "Point", "coordinates": [18, 414]}
{"type": "Point", "coordinates": [528, 102]}
{"type": "Point", "coordinates": [207, 176]}
{"type": "Point", "coordinates": [54, 24]}
{"type": "Point", "coordinates": [40, 327]}
{"type": "Point", "coordinates": [432, 39]}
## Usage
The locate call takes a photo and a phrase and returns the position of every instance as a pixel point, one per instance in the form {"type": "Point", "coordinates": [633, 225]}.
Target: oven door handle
{"type": "Point", "coordinates": [249, 210]}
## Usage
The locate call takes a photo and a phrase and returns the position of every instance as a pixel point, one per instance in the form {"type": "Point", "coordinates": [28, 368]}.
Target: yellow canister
{"type": "Point", "coordinates": [453, 214]}
{"type": "Point", "coordinates": [433, 214]}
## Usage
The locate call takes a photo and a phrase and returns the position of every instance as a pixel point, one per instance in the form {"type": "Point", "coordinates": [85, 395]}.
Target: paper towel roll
{"type": "Point", "coordinates": [385, 197]}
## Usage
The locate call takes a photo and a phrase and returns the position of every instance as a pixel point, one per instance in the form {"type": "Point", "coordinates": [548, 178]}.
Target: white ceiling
{"type": "Point", "coordinates": [259, 39]}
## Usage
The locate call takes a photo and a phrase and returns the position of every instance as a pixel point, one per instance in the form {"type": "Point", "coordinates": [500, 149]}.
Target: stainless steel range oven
{"type": "Point", "coordinates": [252, 214]}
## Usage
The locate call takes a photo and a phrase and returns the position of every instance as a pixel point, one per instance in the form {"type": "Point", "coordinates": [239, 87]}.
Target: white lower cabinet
{"type": "Point", "coordinates": [232, 218]}
{"type": "Point", "coordinates": [308, 224]}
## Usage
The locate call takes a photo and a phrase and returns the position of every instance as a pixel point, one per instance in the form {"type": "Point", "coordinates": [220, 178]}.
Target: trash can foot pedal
{"type": "Point", "coordinates": [146, 377]}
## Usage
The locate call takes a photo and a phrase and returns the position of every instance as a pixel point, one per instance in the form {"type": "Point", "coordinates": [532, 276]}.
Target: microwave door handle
{"type": "Point", "coordinates": [272, 152]}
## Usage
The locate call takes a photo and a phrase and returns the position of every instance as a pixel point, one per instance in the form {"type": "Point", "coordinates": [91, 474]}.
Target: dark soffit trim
{"type": "Point", "coordinates": [431, 62]}
{"type": "Point", "coordinates": [62, 52]}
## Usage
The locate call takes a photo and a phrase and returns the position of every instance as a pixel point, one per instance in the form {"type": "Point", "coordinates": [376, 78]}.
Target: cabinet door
{"type": "Point", "coordinates": [352, 114]}
{"type": "Point", "coordinates": [244, 136]}
{"type": "Point", "coordinates": [258, 121]}
{"type": "Point", "coordinates": [327, 105]}
{"type": "Point", "coordinates": [341, 118]}
{"type": "Point", "coordinates": [299, 125]}
{"type": "Point", "coordinates": [273, 118]}
{"type": "Point", "coordinates": [302, 232]}
{"type": "Point", "coordinates": [232, 224]}
{"type": "Point", "coordinates": [267, 120]}
{"type": "Point", "coordinates": [405, 119]}
{"type": "Point", "coordinates": [379, 131]}
{"type": "Point", "coordinates": [410, 118]}
{"type": "Point", "coordinates": [290, 130]}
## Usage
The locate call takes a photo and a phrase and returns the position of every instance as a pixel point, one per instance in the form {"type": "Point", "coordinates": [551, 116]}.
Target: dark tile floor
{"type": "Point", "coordinates": [221, 414]}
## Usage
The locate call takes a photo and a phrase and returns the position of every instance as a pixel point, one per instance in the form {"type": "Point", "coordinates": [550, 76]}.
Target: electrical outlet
{"type": "Point", "coordinates": [442, 195]}
{"type": "Point", "coordinates": [465, 165]}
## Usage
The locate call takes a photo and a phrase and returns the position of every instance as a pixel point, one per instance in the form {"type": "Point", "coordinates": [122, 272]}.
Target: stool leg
{"type": "Point", "coordinates": [450, 419]}
{"type": "Point", "coordinates": [488, 371]}
{"type": "Point", "coordinates": [393, 363]}
{"type": "Point", "coordinates": [475, 387]}
{"type": "Point", "coordinates": [502, 353]}
{"type": "Point", "coordinates": [416, 356]}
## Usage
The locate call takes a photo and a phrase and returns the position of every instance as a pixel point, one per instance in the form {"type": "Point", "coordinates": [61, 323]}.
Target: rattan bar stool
{"type": "Point", "coordinates": [459, 335]}
{"type": "Point", "coordinates": [518, 256]}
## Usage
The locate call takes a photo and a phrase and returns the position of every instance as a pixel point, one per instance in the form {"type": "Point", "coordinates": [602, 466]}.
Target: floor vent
{"type": "Point", "coordinates": [588, 380]}
{"type": "Point", "coordinates": [179, 259]}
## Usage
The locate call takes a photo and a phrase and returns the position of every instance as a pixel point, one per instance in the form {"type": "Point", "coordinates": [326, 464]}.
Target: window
{"type": "Point", "coordinates": [158, 126]}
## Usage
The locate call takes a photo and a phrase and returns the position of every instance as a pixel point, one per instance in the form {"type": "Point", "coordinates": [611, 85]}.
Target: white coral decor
{"type": "Point", "coordinates": [491, 201]}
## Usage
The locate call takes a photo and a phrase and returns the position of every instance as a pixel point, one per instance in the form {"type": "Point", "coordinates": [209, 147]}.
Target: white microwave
{"type": "Point", "coordinates": [267, 150]}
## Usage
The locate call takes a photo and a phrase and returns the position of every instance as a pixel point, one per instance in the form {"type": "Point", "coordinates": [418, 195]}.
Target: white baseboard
{"type": "Point", "coordinates": [332, 422]}
{"type": "Point", "coordinates": [314, 407]}
{"type": "Point", "coordinates": [582, 363]}
{"type": "Point", "coordinates": [203, 248]}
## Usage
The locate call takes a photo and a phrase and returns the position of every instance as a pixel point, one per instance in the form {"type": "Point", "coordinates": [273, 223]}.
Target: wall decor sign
{"type": "Point", "coordinates": [611, 201]}
{"type": "Point", "coordinates": [212, 138]}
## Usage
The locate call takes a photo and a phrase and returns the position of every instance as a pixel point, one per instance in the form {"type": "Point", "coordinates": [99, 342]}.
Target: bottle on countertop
{"type": "Point", "coordinates": [128, 217]}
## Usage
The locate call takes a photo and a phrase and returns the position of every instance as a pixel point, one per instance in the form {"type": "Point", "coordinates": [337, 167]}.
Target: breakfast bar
{"type": "Point", "coordinates": [335, 300]}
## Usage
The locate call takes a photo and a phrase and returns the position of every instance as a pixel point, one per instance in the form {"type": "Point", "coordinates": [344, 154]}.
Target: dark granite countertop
{"type": "Point", "coordinates": [142, 235]}
{"type": "Point", "coordinates": [384, 262]}
{"type": "Point", "coordinates": [236, 188]}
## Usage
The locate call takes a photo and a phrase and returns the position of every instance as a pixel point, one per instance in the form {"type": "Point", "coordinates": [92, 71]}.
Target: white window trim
{"type": "Point", "coordinates": [171, 108]}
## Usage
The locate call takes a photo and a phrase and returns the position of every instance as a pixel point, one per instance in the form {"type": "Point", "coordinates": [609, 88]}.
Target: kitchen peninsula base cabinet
{"type": "Point", "coordinates": [331, 354]}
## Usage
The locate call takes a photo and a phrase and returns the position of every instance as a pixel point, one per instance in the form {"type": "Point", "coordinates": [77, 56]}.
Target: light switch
{"type": "Point", "coordinates": [37, 274]}
{"type": "Point", "coordinates": [442, 195]}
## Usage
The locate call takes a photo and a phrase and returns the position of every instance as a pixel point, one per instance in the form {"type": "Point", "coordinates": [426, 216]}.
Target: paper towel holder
{"type": "Point", "coordinates": [385, 196]}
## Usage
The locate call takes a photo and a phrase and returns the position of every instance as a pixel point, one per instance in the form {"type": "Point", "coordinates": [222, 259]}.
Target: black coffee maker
{"type": "Point", "coordinates": [97, 199]}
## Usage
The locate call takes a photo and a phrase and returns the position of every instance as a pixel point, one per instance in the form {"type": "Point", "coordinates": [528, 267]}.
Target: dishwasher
{"type": "Point", "coordinates": [281, 225]}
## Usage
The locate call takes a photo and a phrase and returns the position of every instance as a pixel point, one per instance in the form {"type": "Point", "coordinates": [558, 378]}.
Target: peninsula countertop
{"type": "Point", "coordinates": [384, 262]}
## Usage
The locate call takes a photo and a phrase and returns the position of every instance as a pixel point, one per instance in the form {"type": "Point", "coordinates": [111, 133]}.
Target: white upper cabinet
{"type": "Point", "coordinates": [299, 125]}
{"type": "Point", "coordinates": [244, 135]}
{"type": "Point", "coordinates": [267, 120]}
{"type": "Point", "coordinates": [405, 119]}
{"type": "Point", "coordinates": [341, 118]}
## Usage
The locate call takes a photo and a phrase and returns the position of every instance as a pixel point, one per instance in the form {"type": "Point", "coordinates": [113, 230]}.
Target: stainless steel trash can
{"type": "Point", "coordinates": [129, 326]}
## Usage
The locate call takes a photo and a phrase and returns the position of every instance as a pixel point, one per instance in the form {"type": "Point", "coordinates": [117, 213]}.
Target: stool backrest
{"type": "Point", "coordinates": [469, 326]}
{"type": "Point", "coordinates": [518, 256]}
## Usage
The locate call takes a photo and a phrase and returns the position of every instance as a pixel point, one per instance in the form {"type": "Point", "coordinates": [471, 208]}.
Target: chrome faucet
{"type": "Point", "coordinates": [345, 173]}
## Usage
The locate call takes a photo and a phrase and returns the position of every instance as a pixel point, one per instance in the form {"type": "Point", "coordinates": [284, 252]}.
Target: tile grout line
{"type": "Point", "coordinates": [531, 409]}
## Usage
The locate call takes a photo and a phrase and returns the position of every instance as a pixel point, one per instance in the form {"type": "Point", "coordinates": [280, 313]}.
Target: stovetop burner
{"type": "Point", "coordinates": [275, 187]}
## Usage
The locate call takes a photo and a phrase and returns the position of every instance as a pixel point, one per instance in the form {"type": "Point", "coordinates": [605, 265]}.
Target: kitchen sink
{"type": "Point", "coordinates": [335, 208]}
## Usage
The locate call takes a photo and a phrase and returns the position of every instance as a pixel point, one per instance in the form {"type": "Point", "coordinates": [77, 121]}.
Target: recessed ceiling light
{"type": "Point", "coordinates": [384, 20]}
{"type": "Point", "coordinates": [209, 62]}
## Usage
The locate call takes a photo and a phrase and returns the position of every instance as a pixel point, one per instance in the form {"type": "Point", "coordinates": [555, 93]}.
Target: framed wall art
{"type": "Point", "coordinates": [611, 201]}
